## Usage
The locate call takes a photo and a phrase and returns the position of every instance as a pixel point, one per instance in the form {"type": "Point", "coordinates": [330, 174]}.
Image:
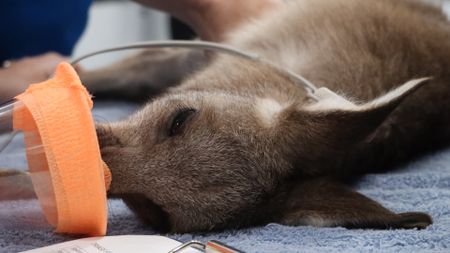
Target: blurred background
{"type": "Point", "coordinates": [115, 22]}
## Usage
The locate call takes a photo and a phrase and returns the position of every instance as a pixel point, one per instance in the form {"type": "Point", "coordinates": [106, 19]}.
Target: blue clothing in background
{"type": "Point", "coordinates": [32, 27]}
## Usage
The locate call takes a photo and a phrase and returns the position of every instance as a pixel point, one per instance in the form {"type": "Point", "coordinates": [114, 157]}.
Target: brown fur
{"type": "Point", "coordinates": [256, 149]}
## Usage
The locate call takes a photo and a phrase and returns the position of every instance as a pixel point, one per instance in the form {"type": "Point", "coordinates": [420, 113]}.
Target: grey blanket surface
{"type": "Point", "coordinates": [422, 185]}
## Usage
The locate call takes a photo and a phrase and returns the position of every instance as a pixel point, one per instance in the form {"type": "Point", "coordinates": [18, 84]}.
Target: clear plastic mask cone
{"type": "Point", "coordinates": [52, 120]}
{"type": "Point", "coordinates": [29, 178]}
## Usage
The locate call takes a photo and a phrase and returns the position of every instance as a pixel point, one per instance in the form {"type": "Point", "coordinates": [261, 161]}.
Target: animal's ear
{"type": "Point", "coordinates": [324, 202]}
{"type": "Point", "coordinates": [330, 101]}
{"type": "Point", "coordinates": [341, 122]}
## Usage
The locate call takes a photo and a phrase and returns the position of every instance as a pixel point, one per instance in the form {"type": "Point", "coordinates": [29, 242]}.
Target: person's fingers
{"type": "Point", "coordinates": [49, 61]}
{"type": "Point", "coordinates": [212, 19]}
{"type": "Point", "coordinates": [226, 16]}
{"type": "Point", "coordinates": [23, 72]}
{"type": "Point", "coordinates": [38, 68]}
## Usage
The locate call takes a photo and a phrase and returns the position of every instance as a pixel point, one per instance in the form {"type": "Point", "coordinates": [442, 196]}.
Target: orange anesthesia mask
{"type": "Point", "coordinates": [68, 175]}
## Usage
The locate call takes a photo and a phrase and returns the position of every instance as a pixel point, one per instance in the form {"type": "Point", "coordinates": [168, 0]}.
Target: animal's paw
{"type": "Point", "coordinates": [414, 220]}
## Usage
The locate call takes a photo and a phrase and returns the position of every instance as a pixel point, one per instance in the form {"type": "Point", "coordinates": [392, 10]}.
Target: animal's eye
{"type": "Point", "coordinates": [180, 120]}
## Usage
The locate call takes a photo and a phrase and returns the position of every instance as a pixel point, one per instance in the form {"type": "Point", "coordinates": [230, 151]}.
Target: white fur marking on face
{"type": "Point", "coordinates": [267, 110]}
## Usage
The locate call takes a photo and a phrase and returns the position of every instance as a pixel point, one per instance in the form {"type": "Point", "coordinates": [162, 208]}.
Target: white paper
{"type": "Point", "coordinates": [116, 244]}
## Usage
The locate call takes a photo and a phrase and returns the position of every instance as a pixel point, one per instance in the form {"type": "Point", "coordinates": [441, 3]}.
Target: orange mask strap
{"type": "Point", "coordinates": [57, 113]}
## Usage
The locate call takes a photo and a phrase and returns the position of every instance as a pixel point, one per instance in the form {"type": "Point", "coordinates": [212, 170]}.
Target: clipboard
{"type": "Point", "coordinates": [135, 244]}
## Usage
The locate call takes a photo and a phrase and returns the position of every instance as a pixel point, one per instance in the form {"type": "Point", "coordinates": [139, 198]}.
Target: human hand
{"type": "Point", "coordinates": [213, 19]}
{"type": "Point", "coordinates": [15, 78]}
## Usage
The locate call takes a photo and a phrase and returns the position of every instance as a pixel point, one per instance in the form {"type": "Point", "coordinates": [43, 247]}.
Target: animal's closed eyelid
{"type": "Point", "coordinates": [178, 120]}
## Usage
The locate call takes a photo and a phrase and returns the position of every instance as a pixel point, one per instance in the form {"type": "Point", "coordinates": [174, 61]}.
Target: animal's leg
{"type": "Point", "coordinates": [144, 75]}
{"type": "Point", "coordinates": [328, 203]}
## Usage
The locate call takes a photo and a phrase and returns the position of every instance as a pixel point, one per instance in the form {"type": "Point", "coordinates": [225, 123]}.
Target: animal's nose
{"type": "Point", "coordinates": [106, 136]}
{"type": "Point", "coordinates": [101, 134]}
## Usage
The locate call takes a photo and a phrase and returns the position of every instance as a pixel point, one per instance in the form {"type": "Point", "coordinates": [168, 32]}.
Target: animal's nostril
{"type": "Point", "coordinates": [105, 152]}
{"type": "Point", "coordinates": [108, 141]}
{"type": "Point", "coordinates": [105, 136]}
{"type": "Point", "coordinates": [100, 135]}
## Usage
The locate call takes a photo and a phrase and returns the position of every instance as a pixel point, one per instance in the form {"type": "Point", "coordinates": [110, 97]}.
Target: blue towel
{"type": "Point", "coordinates": [423, 185]}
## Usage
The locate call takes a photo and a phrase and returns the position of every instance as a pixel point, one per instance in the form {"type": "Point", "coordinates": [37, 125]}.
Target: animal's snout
{"type": "Point", "coordinates": [106, 137]}
{"type": "Point", "coordinates": [108, 143]}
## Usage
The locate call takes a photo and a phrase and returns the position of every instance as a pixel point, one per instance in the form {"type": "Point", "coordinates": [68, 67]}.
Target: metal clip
{"type": "Point", "coordinates": [209, 247]}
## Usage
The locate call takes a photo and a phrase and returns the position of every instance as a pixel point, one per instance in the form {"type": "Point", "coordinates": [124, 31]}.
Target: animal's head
{"type": "Point", "coordinates": [207, 156]}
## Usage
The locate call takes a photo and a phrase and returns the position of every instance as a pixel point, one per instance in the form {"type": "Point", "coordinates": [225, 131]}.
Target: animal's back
{"type": "Point", "coordinates": [363, 49]}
